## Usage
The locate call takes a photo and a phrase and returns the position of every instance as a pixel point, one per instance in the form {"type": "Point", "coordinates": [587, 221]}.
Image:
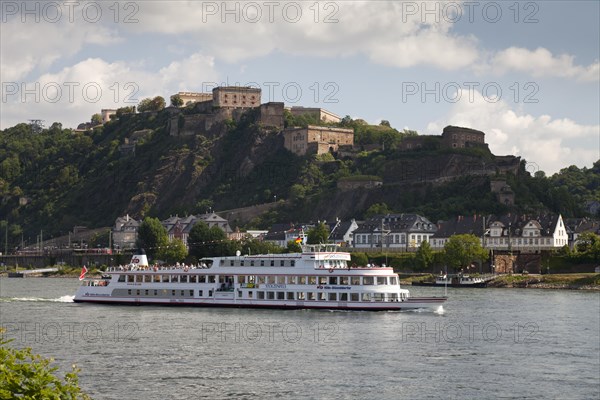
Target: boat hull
{"type": "Point", "coordinates": [453, 285]}
{"type": "Point", "coordinates": [432, 303]}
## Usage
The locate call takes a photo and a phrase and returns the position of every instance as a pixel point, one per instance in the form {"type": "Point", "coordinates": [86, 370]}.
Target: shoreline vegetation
{"type": "Point", "coordinates": [575, 281]}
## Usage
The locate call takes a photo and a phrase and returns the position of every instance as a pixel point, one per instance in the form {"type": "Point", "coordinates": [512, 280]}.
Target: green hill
{"type": "Point", "coordinates": [57, 178]}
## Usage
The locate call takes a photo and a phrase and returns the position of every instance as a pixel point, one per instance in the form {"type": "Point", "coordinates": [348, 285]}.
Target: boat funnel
{"type": "Point", "coordinates": [139, 260]}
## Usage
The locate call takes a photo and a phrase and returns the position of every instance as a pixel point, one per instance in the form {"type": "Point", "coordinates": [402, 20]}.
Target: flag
{"type": "Point", "coordinates": [298, 240]}
{"type": "Point", "coordinates": [83, 272]}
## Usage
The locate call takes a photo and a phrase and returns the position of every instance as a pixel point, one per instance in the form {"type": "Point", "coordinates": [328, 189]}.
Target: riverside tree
{"type": "Point", "coordinates": [461, 250]}
{"type": "Point", "coordinates": [152, 236]}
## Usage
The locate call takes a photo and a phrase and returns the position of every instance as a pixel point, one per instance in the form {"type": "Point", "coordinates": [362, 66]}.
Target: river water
{"type": "Point", "coordinates": [487, 343]}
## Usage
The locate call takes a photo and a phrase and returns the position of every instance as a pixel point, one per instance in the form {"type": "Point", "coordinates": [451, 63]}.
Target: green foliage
{"type": "Point", "coordinates": [26, 375]}
{"type": "Point", "coordinates": [461, 250]}
{"type": "Point", "coordinates": [293, 247]}
{"type": "Point", "coordinates": [176, 100]}
{"type": "Point", "coordinates": [358, 259]}
{"type": "Point", "coordinates": [254, 246]}
{"type": "Point", "coordinates": [318, 234]}
{"type": "Point", "coordinates": [96, 119]}
{"type": "Point", "coordinates": [148, 104]}
{"type": "Point", "coordinates": [588, 244]}
{"type": "Point", "coordinates": [152, 236]}
{"type": "Point", "coordinates": [424, 255]}
{"type": "Point", "coordinates": [209, 242]}
{"type": "Point", "coordinates": [174, 251]}
{"type": "Point", "coordinates": [377, 209]}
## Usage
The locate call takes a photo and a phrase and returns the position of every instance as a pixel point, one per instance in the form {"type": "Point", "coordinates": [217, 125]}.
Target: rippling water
{"type": "Point", "coordinates": [488, 343]}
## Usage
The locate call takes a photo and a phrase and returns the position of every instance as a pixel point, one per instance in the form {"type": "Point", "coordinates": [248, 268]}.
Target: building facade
{"type": "Point", "coordinates": [316, 139]}
{"type": "Point", "coordinates": [404, 232]}
{"type": "Point", "coordinates": [236, 97]}
{"type": "Point", "coordinates": [125, 232]}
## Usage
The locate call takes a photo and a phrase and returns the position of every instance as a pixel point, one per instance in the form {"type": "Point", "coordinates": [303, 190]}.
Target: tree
{"type": "Point", "coordinates": [293, 247]}
{"type": "Point", "coordinates": [461, 250]}
{"type": "Point", "coordinates": [173, 252]}
{"type": "Point", "coordinates": [25, 375]}
{"type": "Point", "coordinates": [209, 242]}
{"type": "Point", "coordinates": [424, 255]}
{"type": "Point", "coordinates": [589, 243]}
{"type": "Point", "coordinates": [377, 209]}
{"type": "Point", "coordinates": [318, 234]}
{"type": "Point", "coordinates": [96, 119]}
{"type": "Point", "coordinates": [385, 122]}
{"type": "Point", "coordinates": [176, 100]}
{"type": "Point", "coordinates": [358, 259]}
{"type": "Point", "coordinates": [155, 104]}
{"type": "Point", "coordinates": [152, 236]}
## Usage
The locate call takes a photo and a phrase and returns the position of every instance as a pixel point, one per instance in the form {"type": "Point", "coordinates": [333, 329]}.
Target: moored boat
{"type": "Point", "coordinates": [458, 280]}
{"type": "Point", "coordinates": [319, 278]}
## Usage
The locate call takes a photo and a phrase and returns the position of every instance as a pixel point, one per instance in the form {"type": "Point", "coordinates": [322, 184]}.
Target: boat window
{"type": "Point", "coordinates": [343, 296]}
{"type": "Point", "coordinates": [252, 263]}
{"type": "Point", "coordinates": [130, 278]}
{"type": "Point", "coordinates": [165, 278]}
{"type": "Point", "coordinates": [333, 280]}
{"type": "Point", "coordinates": [322, 296]}
{"type": "Point", "coordinates": [281, 280]}
{"type": "Point", "coordinates": [261, 280]}
{"type": "Point", "coordinates": [311, 296]}
{"type": "Point", "coordinates": [241, 263]}
{"type": "Point", "coordinates": [290, 295]}
{"type": "Point", "coordinates": [332, 296]}
{"type": "Point", "coordinates": [156, 292]}
{"type": "Point", "coordinates": [172, 293]}
{"type": "Point", "coordinates": [241, 279]}
{"type": "Point", "coordinates": [393, 296]}
{"type": "Point", "coordinates": [367, 280]}
{"type": "Point", "coordinates": [353, 296]}
{"type": "Point", "coordinates": [231, 263]}
{"type": "Point", "coordinates": [272, 263]}
{"type": "Point", "coordinates": [280, 295]}
{"type": "Point", "coordinates": [378, 296]}
{"type": "Point", "coordinates": [193, 278]}
{"type": "Point", "coordinates": [260, 295]}
{"type": "Point", "coordinates": [137, 292]}
{"type": "Point", "coordinates": [183, 279]}
{"type": "Point", "coordinates": [211, 279]}
{"type": "Point", "coordinates": [200, 293]}
{"type": "Point", "coordinates": [129, 291]}
{"type": "Point", "coordinates": [300, 296]}
{"type": "Point", "coordinates": [271, 279]}
{"type": "Point", "coordinates": [302, 280]}
{"type": "Point", "coordinates": [191, 293]}
{"type": "Point", "coordinates": [381, 280]}
{"type": "Point", "coordinates": [281, 263]}
{"type": "Point", "coordinates": [322, 280]}
{"type": "Point", "coordinates": [355, 280]}
{"type": "Point", "coordinates": [146, 292]}
{"type": "Point", "coordinates": [250, 294]}
{"type": "Point", "coordinates": [293, 263]}
{"type": "Point", "coordinates": [239, 293]}
{"type": "Point", "coordinates": [343, 280]}
{"type": "Point", "coordinates": [291, 280]}
{"type": "Point", "coordinates": [121, 278]}
{"type": "Point", "coordinates": [270, 295]}
{"type": "Point", "coordinates": [174, 278]}
{"type": "Point", "coordinates": [201, 278]}
{"type": "Point", "coordinates": [156, 278]}
{"type": "Point", "coordinates": [182, 293]}
{"type": "Point", "coordinates": [222, 262]}
{"type": "Point", "coordinates": [366, 297]}
{"type": "Point", "coordinates": [262, 263]}
{"type": "Point", "coordinates": [210, 292]}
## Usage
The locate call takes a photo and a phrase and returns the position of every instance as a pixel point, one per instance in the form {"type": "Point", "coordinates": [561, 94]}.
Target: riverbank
{"type": "Point", "coordinates": [582, 281]}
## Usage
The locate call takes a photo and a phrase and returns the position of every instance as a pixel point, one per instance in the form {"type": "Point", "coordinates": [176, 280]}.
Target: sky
{"type": "Point", "coordinates": [527, 73]}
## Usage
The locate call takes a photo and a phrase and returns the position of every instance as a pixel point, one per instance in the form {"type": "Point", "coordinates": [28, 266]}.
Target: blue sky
{"type": "Point", "coordinates": [526, 73]}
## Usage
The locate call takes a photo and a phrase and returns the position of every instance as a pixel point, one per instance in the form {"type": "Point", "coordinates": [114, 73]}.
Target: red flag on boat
{"type": "Point", "coordinates": [83, 272]}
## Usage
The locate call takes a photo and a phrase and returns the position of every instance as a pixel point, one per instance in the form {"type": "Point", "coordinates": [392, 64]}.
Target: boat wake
{"type": "Point", "coordinates": [62, 299]}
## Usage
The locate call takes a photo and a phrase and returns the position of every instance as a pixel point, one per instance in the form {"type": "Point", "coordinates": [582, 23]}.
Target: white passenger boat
{"type": "Point", "coordinates": [320, 278]}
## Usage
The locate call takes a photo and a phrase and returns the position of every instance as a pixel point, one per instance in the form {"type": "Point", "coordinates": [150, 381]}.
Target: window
{"type": "Point", "coordinates": [241, 279]}
{"type": "Point", "coordinates": [262, 263]}
{"type": "Point", "coordinates": [393, 280]}
{"type": "Point", "coordinates": [211, 279]}
{"type": "Point", "coordinates": [333, 280]}
{"type": "Point", "coordinates": [353, 296]}
{"type": "Point", "coordinates": [311, 296]}
{"type": "Point", "coordinates": [172, 293]}
{"type": "Point", "coordinates": [202, 279]}
{"type": "Point", "coordinates": [291, 280]}
{"type": "Point", "coordinates": [271, 280]}
{"type": "Point", "coordinates": [281, 263]}
{"type": "Point", "coordinates": [322, 280]}
{"type": "Point", "coordinates": [280, 295]}
{"type": "Point", "coordinates": [200, 293]}
{"type": "Point", "coordinates": [366, 297]}
{"type": "Point", "coordinates": [250, 294]}
{"type": "Point", "coordinates": [300, 296]}
{"type": "Point", "coordinates": [343, 296]}
{"type": "Point", "coordinates": [367, 280]}
{"type": "Point", "coordinates": [191, 293]}
{"type": "Point", "coordinates": [322, 296]}
{"type": "Point", "coordinates": [312, 280]}
{"type": "Point", "coordinates": [261, 280]}
{"type": "Point", "coordinates": [355, 280]}
{"type": "Point", "coordinates": [129, 291]}
{"type": "Point", "coordinates": [193, 278]}
{"type": "Point", "coordinates": [302, 280]}
{"type": "Point", "coordinates": [260, 295]}
{"type": "Point", "coordinates": [146, 292]}
{"type": "Point", "coordinates": [332, 296]}
{"type": "Point", "coordinates": [252, 263]}
{"type": "Point", "coordinates": [290, 295]}
{"type": "Point", "coordinates": [281, 280]}
{"type": "Point", "coordinates": [121, 278]}
{"type": "Point", "coordinates": [272, 263]}
{"type": "Point", "coordinates": [381, 280]}
{"type": "Point", "coordinates": [293, 263]}
{"type": "Point", "coordinates": [270, 295]}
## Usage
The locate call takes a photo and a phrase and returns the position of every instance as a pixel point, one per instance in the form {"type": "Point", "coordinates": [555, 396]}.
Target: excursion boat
{"type": "Point", "coordinates": [320, 277]}
{"type": "Point", "coordinates": [458, 280]}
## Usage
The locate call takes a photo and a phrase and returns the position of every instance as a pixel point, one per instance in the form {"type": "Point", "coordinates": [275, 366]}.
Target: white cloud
{"type": "Point", "coordinates": [551, 143]}
{"type": "Point", "coordinates": [542, 63]}
{"type": "Point", "coordinates": [74, 93]}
